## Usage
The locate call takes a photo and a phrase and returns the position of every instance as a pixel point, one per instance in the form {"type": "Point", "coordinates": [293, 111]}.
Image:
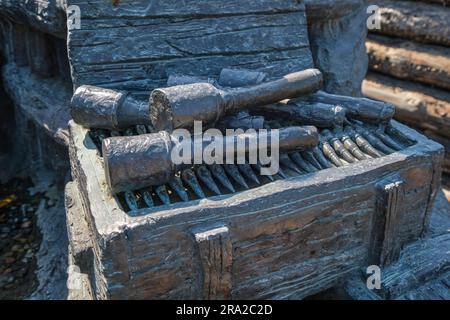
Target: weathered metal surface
{"type": "Point", "coordinates": [44, 101]}
{"type": "Point", "coordinates": [357, 108]}
{"type": "Point", "coordinates": [179, 106]}
{"type": "Point", "coordinates": [241, 120]}
{"type": "Point", "coordinates": [337, 31]}
{"type": "Point", "coordinates": [317, 114]}
{"type": "Point", "coordinates": [135, 162]}
{"type": "Point", "coordinates": [330, 152]}
{"type": "Point", "coordinates": [95, 107]}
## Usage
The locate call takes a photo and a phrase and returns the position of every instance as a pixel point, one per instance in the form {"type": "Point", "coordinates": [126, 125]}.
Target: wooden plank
{"type": "Point", "coordinates": [422, 22]}
{"type": "Point", "coordinates": [420, 262]}
{"type": "Point", "coordinates": [215, 251]}
{"type": "Point", "coordinates": [408, 60]}
{"type": "Point", "coordinates": [194, 38]}
{"type": "Point", "coordinates": [181, 8]}
{"type": "Point", "coordinates": [391, 196]}
{"type": "Point", "coordinates": [418, 105]}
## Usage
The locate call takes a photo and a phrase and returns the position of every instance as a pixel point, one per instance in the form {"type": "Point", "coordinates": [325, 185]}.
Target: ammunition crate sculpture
{"type": "Point", "coordinates": [286, 237]}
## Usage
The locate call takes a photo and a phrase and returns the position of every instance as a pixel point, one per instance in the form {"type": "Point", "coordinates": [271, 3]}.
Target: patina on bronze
{"type": "Point", "coordinates": [95, 107]}
{"type": "Point", "coordinates": [179, 106]}
{"type": "Point", "coordinates": [357, 108]}
{"type": "Point", "coordinates": [141, 161]}
{"type": "Point", "coordinates": [318, 114]}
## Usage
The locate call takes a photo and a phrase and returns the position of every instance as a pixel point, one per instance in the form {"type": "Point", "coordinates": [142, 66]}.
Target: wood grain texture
{"type": "Point", "coordinates": [423, 63]}
{"type": "Point", "coordinates": [80, 243]}
{"type": "Point", "coordinates": [392, 195]}
{"type": "Point", "coordinates": [421, 262]}
{"type": "Point", "coordinates": [418, 105]}
{"type": "Point", "coordinates": [433, 290]}
{"type": "Point", "coordinates": [80, 247]}
{"type": "Point", "coordinates": [215, 252]}
{"type": "Point", "coordinates": [192, 38]}
{"type": "Point", "coordinates": [422, 22]}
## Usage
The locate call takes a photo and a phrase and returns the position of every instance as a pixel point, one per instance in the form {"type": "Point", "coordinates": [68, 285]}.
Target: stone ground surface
{"type": "Point", "coordinates": [33, 244]}
{"type": "Point", "coordinates": [20, 240]}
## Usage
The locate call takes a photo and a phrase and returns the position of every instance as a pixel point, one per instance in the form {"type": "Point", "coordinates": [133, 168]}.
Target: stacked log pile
{"type": "Point", "coordinates": [409, 63]}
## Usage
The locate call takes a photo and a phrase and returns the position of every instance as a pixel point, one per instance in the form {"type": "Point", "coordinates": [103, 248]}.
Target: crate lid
{"type": "Point", "coordinates": [134, 45]}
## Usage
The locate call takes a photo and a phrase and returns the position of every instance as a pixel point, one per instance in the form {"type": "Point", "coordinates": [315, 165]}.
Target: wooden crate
{"type": "Point", "coordinates": [283, 240]}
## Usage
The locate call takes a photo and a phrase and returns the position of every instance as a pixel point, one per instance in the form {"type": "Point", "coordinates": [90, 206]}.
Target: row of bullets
{"type": "Point", "coordinates": [337, 147]}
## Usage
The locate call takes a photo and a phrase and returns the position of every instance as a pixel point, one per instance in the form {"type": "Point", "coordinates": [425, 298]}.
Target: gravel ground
{"type": "Point", "coordinates": [19, 240]}
{"type": "Point", "coordinates": [33, 241]}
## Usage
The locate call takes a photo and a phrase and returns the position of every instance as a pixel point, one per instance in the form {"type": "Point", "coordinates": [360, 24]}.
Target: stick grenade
{"type": "Point", "coordinates": [141, 161]}
{"type": "Point", "coordinates": [358, 108]}
{"type": "Point", "coordinates": [318, 114]}
{"type": "Point", "coordinates": [179, 106]}
{"type": "Point", "coordinates": [95, 107]}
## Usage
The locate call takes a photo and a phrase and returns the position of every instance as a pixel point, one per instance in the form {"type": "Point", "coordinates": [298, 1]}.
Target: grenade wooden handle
{"type": "Point", "coordinates": [179, 106]}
